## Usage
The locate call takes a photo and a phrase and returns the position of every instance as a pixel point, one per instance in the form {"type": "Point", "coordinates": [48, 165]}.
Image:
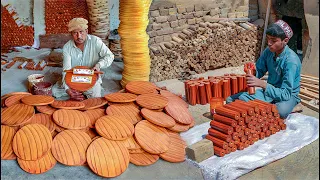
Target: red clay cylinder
{"type": "Point", "coordinates": [220, 135]}
{"type": "Point", "coordinates": [193, 95]}
{"type": "Point", "coordinates": [219, 151]}
{"type": "Point", "coordinates": [221, 127]}
{"type": "Point", "coordinates": [225, 120]}
{"type": "Point", "coordinates": [240, 83]}
{"type": "Point", "coordinates": [208, 91]}
{"type": "Point", "coordinates": [251, 90]}
{"type": "Point", "coordinates": [228, 113]}
{"type": "Point", "coordinates": [203, 94]}
{"type": "Point", "coordinates": [234, 85]}
{"type": "Point", "coordinates": [255, 107]}
{"type": "Point", "coordinates": [243, 113]}
{"type": "Point", "coordinates": [217, 142]}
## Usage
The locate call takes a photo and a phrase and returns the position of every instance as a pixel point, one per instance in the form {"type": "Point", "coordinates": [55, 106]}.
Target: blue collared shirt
{"type": "Point", "coordinates": [284, 74]}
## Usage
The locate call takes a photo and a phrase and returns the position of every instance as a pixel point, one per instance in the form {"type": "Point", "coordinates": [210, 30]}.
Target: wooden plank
{"type": "Point", "coordinates": [310, 86]}
{"type": "Point", "coordinates": [308, 80]}
{"type": "Point", "coordinates": [309, 93]}
{"type": "Point", "coordinates": [311, 106]}
{"type": "Point", "coordinates": [304, 97]}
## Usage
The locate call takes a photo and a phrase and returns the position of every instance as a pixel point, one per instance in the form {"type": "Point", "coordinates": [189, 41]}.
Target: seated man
{"type": "Point", "coordinates": [84, 50]}
{"type": "Point", "coordinates": [284, 66]}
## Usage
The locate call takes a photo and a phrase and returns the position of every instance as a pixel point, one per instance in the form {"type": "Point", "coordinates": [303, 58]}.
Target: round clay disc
{"type": "Point", "coordinates": [17, 114]}
{"type": "Point", "coordinates": [158, 118]}
{"type": "Point", "coordinates": [43, 119]}
{"type": "Point", "coordinates": [143, 159]}
{"type": "Point", "coordinates": [46, 109]}
{"type": "Point", "coordinates": [179, 127]}
{"type": "Point", "coordinates": [114, 127]}
{"type": "Point", "coordinates": [39, 166]}
{"type": "Point", "coordinates": [180, 113]}
{"type": "Point", "coordinates": [152, 101]}
{"type": "Point", "coordinates": [80, 86]}
{"type": "Point", "coordinates": [69, 147]}
{"type": "Point", "coordinates": [32, 142]}
{"type": "Point", "coordinates": [121, 97]}
{"type": "Point", "coordinates": [152, 138]}
{"type": "Point", "coordinates": [93, 103]}
{"type": "Point", "coordinates": [7, 134]}
{"type": "Point", "coordinates": [94, 115]}
{"type": "Point", "coordinates": [130, 143]}
{"type": "Point", "coordinates": [141, 87]}
{"type": "Point", "coordinates": [107, 158]}
{"type": "Point", "coordinates": [59, 104]}
{"type": "Point", "coordinates": [130, 111]}
{"type": "Point", "coordinates": [11, 157]}
{"type": "Point", "coordinates": [15, 99]}
{"type": "Point", "coordinates": [136, 151]}
{"type": "Point", "coordinates": [92, 133]}
{"type": "Point", "coordinates": [173, 97]}
{"type": "Point", "coordinates": [37, 100]}
{"type": "Point", "coordinates": [176, 152]}
{"type": "Point", "coordinates": [71, 119]}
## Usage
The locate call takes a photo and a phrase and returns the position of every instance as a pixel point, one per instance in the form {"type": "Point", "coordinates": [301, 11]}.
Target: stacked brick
{"type": "Point", "coordinates": [239, 124]}
{"type": "Point", "coordinates": [207, 47]}
{"type": "Point", "coordinates": [58, 13]}
{"type": "Point", "coordinates": [11, 33]}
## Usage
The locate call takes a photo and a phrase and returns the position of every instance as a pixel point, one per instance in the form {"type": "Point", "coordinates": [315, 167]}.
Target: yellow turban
{"type": "Point", "coordinates": [77, 23]}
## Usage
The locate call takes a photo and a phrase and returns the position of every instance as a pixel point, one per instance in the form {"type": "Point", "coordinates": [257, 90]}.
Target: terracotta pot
{"type": "Point", "coordinates": [42, 88]}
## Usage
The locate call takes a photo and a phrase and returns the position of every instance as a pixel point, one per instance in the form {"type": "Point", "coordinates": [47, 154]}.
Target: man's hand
{"type": "Point", "coordinates": [96, 67]}
{"type": "Point", "coordinates": [75, 95]}
{"type": "Point", "coordinates": [253, 81]}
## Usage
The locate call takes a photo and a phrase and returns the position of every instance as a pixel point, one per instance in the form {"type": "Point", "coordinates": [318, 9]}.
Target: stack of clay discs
{"type": "Point", "coordinates": [115, 48]}
{"type": "Point", "coordinates": [134, 20]}
{"type": "Point", "coordinates": [99, 18]}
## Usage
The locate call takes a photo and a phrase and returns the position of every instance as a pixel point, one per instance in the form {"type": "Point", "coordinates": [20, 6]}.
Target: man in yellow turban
{"type": "Point", "coordinates": [84, 50]}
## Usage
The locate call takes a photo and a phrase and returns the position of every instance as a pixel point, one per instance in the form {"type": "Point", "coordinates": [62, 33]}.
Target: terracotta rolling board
{"type": "Point", "coordinates": [46, 109]}
{"type": "Point", "coordinates": [60, 104]}
{"type": "Point", "coordinates": [17, 114]}
{"type": "Point", "coordinates": [107, 158]}
{"type": "Point", "coordinates": [152, 138]}
{"type": "Point", "coordinates": [173, 97]}
{"type": "Point", "coordinates": [121, 97]}
{"type": "Point", "coordinates": [80, 86]}
{"type": "Point", "coordinates": [15, 99]}
{"type": "Point", "coordinates": [93, 103]}
{"type": "Point", "coordinates": [180, 113]}
{"type": "Point", "coordinates": [130, 111]}
{"type": "Point", "coordinates": [114, 127]}
{"type": "Point", "coordinates": [37, 100]}
{"type": "Point", "coordinates": [7, 134]}
{"type": "Point", "coordinates": [94, 115]}
{"type": "Point", "coordinates": [158, 118]}
{"type": "Point", "coordinates": [71, 119]}
{"type": "Point", "coordinates": [32, 142]}
{"type": "Point", "coordinates": [143, 159]}
{"type": "Point", "coordinates": [152, 101]}
{"type": "Point", "coordinates": [44, 119]}
{"type": "Point", "coordinates": [69, 147]}
{"type": "Point", "coordinates": [141, 87]}
{"type": "Point", "coordinates": [39, 166]}
{"type": "Point", "coordinates": [176, 152]}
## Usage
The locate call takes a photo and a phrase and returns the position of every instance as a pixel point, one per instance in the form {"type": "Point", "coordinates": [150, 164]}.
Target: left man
{"type": "Point", "coordinates": [84, 50]}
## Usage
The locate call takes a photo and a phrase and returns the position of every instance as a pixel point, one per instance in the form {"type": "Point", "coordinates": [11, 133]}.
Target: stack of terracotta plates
{"type": "Point", "coordinates": [115, 48]}
{"type": "Point", "coordinates": [138, 125]}
{"type": "Point", "coordinates": [99, 18]}
{"type": "Point", "coordinates": [134, 40]}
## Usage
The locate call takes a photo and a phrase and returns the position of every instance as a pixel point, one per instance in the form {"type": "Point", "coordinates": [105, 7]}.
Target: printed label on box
{"type": "Point", "coordinates": [83, 71]}
{"type": "Point", "coordinates": [81, 79]}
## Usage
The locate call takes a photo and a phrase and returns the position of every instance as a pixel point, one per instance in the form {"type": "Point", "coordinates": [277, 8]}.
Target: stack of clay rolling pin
{"type": "Point", "coordinates": [33, 66]}
{"type": "Point", "coordinates": [200, 91]}
{"type": "Point", "coordinates": [239, 124]}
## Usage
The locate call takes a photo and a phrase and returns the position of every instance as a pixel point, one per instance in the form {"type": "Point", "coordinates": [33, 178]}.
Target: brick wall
{"type": "Point", "coordinates": [166, 19]}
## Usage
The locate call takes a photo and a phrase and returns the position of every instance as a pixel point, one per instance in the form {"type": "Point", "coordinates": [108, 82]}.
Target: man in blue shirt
{"type": "Point", "coordinates": [284, 66]}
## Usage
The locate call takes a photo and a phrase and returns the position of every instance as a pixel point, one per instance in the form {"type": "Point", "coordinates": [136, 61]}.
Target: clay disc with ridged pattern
{"type": "Point", "coordinates": [173, 97]}
{"type": "Point", "coordinates": [176, 152]}
{"type": "Point", "coordinates": [32, 142]}
{"type": "Point", "coordinates": [17, 114]}
{"type": "Point", "coordinates": [121, 97]}
{"type": "Point", "coordinates": [7, 134]}
{"type": "Point", "coordinates": [107, 158]}
{"type": "Point", "coordinates": [130, 143]}
{"type": "Point", "coordinates": [93, 103]}
{"type": "Point", "coordinates": [143, 159]}
{"type": "Point", "coordinates": [141, 87]}
{"type": "Point", "coordinates": [152, 138]}
{"type": "Point", "coordinates": [71, 119]}
{"type": "Point", "coordinates": [46, 109]}
{"type": "Point", "coordinates": [59, 104]}
{"type": "Point", "coordinates": [94, 115]}
{"type": "Point", "coordinates": [158, 118]}
{"type": "Point", "coordinates": [43, 119]}
{"type": "Point", "coordinates": [179, 127]}
{"type": "Point", "coordinates": [114, 127]}
{"type": "Point", "coordinates": [15, 99]}
{"type": "Point", "coordinates": [37, 100]}
{"type": "Point", "coordinates": [39, 166]}
{"type": "Point", "coordinates": [130, 111]}
{"type": "Point", "coordinates": [69, 147]}
{"type": "Point", "coordinates": [152, 101]}
{"type": "Point", "coordinates": [180, 113]}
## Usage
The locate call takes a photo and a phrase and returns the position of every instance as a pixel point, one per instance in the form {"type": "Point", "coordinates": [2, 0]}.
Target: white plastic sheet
{"type": "Point", "coordinates": [301, 131]}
